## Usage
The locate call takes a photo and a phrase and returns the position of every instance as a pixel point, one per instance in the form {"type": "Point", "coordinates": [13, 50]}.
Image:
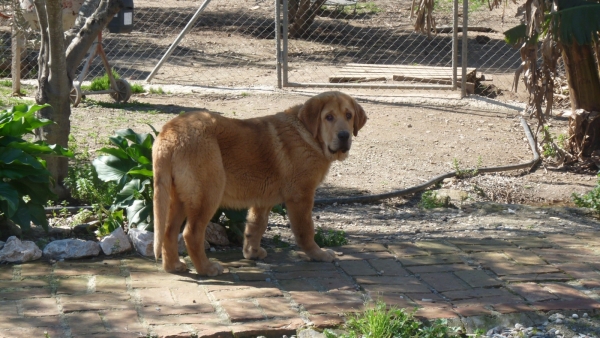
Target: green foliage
{"type": "Point", "coordinates": [101, 83]}
{"type": "Point", "coordinates": [589, 200]}
{"type": "Point", "coordinates": [25, 181]}
{"type": "Point", "coordinates": [137, 88]}
{"type": "Point", "coordinates": [158, 90]}
{"type": "Point", "coordinates": [6, 83]}
{"type": "Point", "coordinates": [280, 210]}
{"type": "Point", "coordinates": [464, 173]}
{"type": "Point", "coordinates": [279, 242]}
{"type": "Point", "coordinates": [430, 200]}
{"type": "Point", "coordinates": [552, 145]}
{"type": "Point", "coordinates": [446, 5]}
{"type": "Point", "coordinates": [381, 321]}
{"type": "Point", "coordinates": [113, 221]}
{"type": "Point", "coordinates": [330, 238]}
{"type": "Point", "coordinates": [83, 181]}
{"type": "Point", "coordinates": [576, 21]}
{"type": "Point", "coordinates": [129, 165]}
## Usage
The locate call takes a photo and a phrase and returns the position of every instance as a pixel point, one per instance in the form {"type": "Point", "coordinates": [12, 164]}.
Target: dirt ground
{"type": "Point", "coordinates": [403, 144]}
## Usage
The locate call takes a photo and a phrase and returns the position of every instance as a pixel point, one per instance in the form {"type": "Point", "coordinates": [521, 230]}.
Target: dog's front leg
{"type": "Point", "coordinates": [256, 225]}
{"type": "Point", "coordinates": [300, 213]}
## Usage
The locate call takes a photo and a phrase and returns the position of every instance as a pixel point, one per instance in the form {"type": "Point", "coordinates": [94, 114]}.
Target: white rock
{"type": "Point", "coordinates": [555, 316]}
{"type": "Point", "coordinates": [16, 251]}
{"type": "Point", "coordinates": [585, 315]}
{"type": "Point", "coordinates": [575, 316]}
{"type": "Point", "coordinates": [1, 245]}
{"type": "Point", "coordinates": [558, 321]}
{"type": "Point", "coordinates": [115, 243]}
{"type": "Point", "coordinates": [216, 234]}
{"type": "Point", "coordinates": [71, 248]}
{"type": "Point", "coordinates": [143, 241]}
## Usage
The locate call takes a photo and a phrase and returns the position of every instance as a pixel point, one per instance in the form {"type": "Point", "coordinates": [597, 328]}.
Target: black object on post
{"type": "Point", "coordinates": [122, 22]}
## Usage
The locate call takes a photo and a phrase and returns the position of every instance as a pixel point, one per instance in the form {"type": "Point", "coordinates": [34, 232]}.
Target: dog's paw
{"type": "Point", "coordinates": [213, 269]}
{"type": "Point", "coordinates": [322, 255]}
{"type": "Point", "coordinates": [259, 253]}
{"type": "Point", "coordinates": [180, 266]}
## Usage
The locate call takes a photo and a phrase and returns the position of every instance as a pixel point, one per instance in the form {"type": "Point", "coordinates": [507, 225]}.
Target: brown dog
{"type": "Point", "coordinates": [203, 161]}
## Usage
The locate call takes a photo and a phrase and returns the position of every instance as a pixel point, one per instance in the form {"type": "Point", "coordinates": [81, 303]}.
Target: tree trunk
{"type": "Point", "coordinates": [304, 14]}
{"type": "Point", "coordinates": [583, 77]}
{"type": "Point", "coordinates": [55, 79]}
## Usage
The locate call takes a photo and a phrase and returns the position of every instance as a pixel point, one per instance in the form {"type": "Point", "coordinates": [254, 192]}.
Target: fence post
{"type": "Point", "coordinates": [177, 40]}
{"type": "Point", "coordinates": [285, 43]}
{"type": "Point", "coordinates": [17, 45]}
{"type": "Point", "coordinates": [455, 45]}
{"type": "Point", "coordinates": [278, 42]}
{"type": "Point", "coordinates": [463, 53]}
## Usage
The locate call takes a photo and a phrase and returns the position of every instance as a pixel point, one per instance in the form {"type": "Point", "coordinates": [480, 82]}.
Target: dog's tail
{"type": "Point", "coordinates": [161, 166]}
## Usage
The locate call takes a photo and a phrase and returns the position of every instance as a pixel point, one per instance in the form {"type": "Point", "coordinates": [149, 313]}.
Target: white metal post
{"type": "Point", "coordinates": [177, 40]}
{"type": "Point", "coordinates": [463, 53]}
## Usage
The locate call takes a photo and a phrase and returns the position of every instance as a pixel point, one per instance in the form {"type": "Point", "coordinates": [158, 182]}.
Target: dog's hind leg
{"type": "Point", "coordinates": [194, 234]}
{"type": "Point", "coordinates": [170, 250]}
{"type": "Point", "coordinates": [255, 228]}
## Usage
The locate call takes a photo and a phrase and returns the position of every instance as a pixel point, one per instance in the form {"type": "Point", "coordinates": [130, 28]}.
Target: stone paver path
{"type": "Point", "coordinates": [129, 296]}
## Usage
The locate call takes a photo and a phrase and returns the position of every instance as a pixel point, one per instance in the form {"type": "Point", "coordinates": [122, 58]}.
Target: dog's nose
{"type": "Point", "coordinates": [343, 135]}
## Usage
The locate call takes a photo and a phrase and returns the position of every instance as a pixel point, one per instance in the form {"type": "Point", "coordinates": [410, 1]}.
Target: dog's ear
{"type": "Point", "coordinates": [310, 115]}
{"type": "Point", "coordinates": [359, 119]}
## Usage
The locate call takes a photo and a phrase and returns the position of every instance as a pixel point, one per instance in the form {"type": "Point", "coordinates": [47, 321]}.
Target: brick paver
{"type": "Point", "coordinates": [132, 296]}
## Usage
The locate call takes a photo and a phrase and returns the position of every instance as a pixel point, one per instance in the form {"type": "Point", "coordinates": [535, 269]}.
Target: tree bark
{"type": "Point", "coordinates": [55, 78]}
{"type": "Point", "coordinates": [304, 16]}
{"type": "Point", "coordinates": [583, 76]}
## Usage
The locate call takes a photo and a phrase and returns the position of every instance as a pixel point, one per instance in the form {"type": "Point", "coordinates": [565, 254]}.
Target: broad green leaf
{"type": "Point", "coordinates": [39, 192]}
{"type": "Point", "coordinates": [128, 192]}
{"type": "Point", "coordinates": [577, 23]}
{"type": "Point", "coordinates": [120, 153]}
{"type": "Point", "coordinates": [516, 34]}
{"type": "Point", "coordinates": [112, 168]}
{"type": "Point", "coordinates": [11, 155]}
{"type": "Point", "coordinates": [141, 139]}
{"type": "Point", "coordinates": [22, 217]}
{"type": "Point", "coordinates": [236, 216]}
{"type": "Point", "coordinates": [20, 108]}
{"type": "Point", "coordinates": [17, 170]}
{"type": "Point", "coordinates": [11, 197]}
{"type": "Point", "coordinates": [138, 212]}
{"type": "Point", "coordinates": [153, 129]}
{"type": "Point", "coordinates": [139, 154]}
{"type": "Point", "coordinates": [141, 172]}
{"type": "Point", "coordinates": [38, 215]}
{"type": "Point", "coordinates": [119, 141]}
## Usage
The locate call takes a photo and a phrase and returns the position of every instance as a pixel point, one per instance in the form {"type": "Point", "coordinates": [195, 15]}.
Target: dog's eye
{"type": "Point", "coordinates": [329, 117]}
{"type": "Point", "coordinates": [348, 116]}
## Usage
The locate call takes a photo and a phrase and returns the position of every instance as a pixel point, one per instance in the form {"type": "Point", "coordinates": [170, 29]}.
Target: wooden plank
{"type": "Point", "coordinates": [392, 76]}
{"type": "Point", "coordinates": [343, 79]}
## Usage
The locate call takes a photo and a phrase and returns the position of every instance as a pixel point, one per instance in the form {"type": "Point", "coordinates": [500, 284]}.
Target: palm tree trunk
{"type": "Point", "coordinates": [583, 76]}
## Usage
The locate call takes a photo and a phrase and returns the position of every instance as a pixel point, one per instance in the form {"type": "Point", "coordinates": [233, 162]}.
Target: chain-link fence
{"type": "Point", "coordinates": [368, 43]}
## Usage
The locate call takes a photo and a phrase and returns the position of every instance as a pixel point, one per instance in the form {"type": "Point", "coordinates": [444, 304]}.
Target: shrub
{"type": "Point", "coordinates": [589, 200]}
{"type": "Point", "coordinates": [430, 200]}
{"type": "Point", "coordinates": [25, 183]}
{"type": "Point", "coordinates": [129, 165]}
{"type": "Point", "coordinates": [381, 321]}
{"type": "Point", "coordinates": [330, 238]}
{"type": "Point", "coordinates": [101, 83]}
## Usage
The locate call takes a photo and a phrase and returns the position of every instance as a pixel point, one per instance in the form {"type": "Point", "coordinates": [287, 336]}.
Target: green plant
{"type": "Point", "coordinates": [330, 238]}
{"type": "Point", "coordinates": [279, 242]}
{"type": "Point", "coordinates": [25, 181]}
{"type": "Point", "coordinates": [589, 200]}
{"type": "Point", "coordinates": [137, 88]}
{"type": "Point", "coordinates": [158, 90]}
{"type": "Point", "coordinates": [6, 83]}
{"type": "Point", "coordinates": [129, 165]}
{"type": "Point", "coordinates": [446, 5]}
{"type": "Point", "coordinates": [464, 173]}
{"type": "Point", "coordinates": [101, 83]}
{"type": "Point", "coordinates": [82, 179]}
{"type": "Point", "coordinates": [430, 200]}
{"type": "Point", "coordinates": [382, 321]}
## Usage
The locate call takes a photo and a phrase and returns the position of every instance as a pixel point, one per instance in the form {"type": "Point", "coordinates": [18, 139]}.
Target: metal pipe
{"type": "Point", "coordinates": [362, 85]}
{"type": "Point", "coordinates": [455, 45]}
{"type": "Point", "coordinates": [463, 83]}
{"type": "Point", "coordinates": [278, 43]}
{"type": "Point", "coordinates": [177, 40]}
{"type": "Point", "coordinates": [285, 82]}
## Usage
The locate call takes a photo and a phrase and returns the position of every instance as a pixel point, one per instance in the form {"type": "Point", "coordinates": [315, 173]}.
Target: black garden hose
{"type": "Point", "coordinates": [421, 187]}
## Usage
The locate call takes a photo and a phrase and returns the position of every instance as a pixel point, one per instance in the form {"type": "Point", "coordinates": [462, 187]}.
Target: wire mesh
{"type": "Point", "coordinates": [372, 43]}
{"type": "Point", "coordinates": [367, 42]}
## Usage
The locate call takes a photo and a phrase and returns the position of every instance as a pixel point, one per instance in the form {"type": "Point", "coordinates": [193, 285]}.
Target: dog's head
{"type": "Point", "coordinates": [333, 118]}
